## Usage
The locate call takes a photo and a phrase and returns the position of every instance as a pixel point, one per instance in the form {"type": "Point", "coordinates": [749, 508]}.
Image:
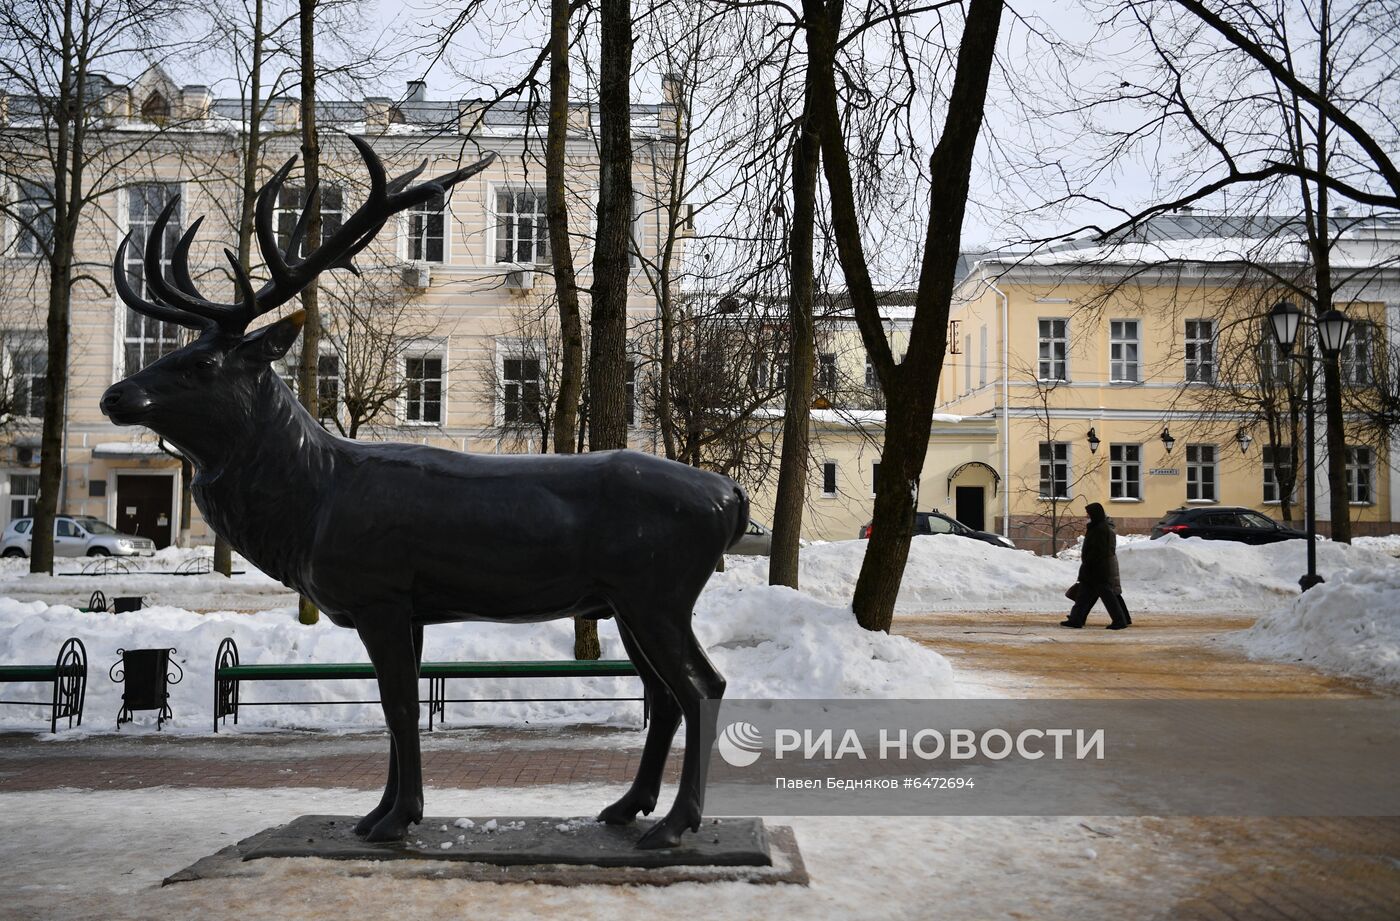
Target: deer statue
{"type": "Point", "coordinates": [387, 538]}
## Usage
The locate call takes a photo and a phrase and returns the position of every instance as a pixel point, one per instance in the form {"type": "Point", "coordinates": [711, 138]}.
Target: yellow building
{"type": "Point", "coordinates": [1129, 376]}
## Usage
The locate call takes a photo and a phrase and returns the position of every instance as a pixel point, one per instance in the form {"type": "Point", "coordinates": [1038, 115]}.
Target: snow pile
{"type": "Point", "coordinates": [1171, 574]}
{"type": "Point", "coordinates": [768, 643]}
{"type": "Point", "coordinates": [1350, 624]}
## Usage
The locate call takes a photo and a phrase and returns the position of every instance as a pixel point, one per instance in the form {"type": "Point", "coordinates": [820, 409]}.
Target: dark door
{"type": "Point", "coordinates": [971, 507]}
{"type": "Point", "coordinates": [143, 507]}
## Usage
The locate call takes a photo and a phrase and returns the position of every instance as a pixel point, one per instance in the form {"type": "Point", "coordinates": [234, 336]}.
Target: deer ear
{"type": "Point", "coordinates": [272, 341]}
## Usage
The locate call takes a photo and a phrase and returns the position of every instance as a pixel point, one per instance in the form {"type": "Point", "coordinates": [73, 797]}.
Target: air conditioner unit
{"type": "Point", "coordinates": [27, 457]}
{"type": "Point", "coordinates": [417, 275]}
{"type": "Point", "coordinates": [520, 280]}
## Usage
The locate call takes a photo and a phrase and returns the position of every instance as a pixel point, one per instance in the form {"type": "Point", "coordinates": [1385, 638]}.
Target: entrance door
{"type": "Point", "coordinates": [971, 507]}
{"type": "Point", "coordinates": [143, 507]}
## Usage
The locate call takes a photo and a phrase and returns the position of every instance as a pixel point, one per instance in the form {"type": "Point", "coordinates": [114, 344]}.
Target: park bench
{"type": "Point", "coordinates": [68, 675]}
{"type": "Point", "coordinates": [229, 675]}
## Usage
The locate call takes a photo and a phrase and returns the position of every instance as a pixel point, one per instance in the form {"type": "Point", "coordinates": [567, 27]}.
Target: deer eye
{"type": "Point", "coordinates": [205, 363]}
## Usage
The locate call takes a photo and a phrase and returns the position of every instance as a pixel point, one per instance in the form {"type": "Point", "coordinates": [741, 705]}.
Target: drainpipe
{"type": "Point", "coordinates": [1005, 404]}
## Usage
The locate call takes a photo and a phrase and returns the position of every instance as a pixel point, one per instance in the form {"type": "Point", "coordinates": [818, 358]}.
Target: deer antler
{"type": "Point", "coordinates": [177, 300]}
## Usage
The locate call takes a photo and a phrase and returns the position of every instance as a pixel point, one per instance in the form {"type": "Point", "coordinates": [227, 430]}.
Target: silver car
{"type": "Point", "coordinates": [757, 541]}
{"type": "Point", "coordinates": [76, 535]}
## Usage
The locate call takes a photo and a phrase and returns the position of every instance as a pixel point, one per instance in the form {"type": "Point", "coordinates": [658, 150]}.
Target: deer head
{"type": "Point", "coordinates": [209, 390]}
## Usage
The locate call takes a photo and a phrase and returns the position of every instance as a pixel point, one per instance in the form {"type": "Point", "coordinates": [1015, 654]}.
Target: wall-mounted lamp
{"type": "Point", "coordinates": [1093, 442]}
{"type": "Point", "coordinates": [1244, 439]}
{"type": "Point", "coordinates": [1168, 441]}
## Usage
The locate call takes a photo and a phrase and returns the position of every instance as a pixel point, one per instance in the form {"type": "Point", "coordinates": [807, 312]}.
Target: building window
{"type": "Point", "coordinates": [146, 338]}
{"type": "Point", "coordinates": [1200, 473]}
{"type": "Point", "coordinates": [629, 392]}
{"type": "Point", "coordinates": [982, 357]}
{"type": "Point", "coordinates": [1274, 366]}
{"type": "Point", "coordinates": [1054, 469]}
{"type": "Point", "coordinates": [1359, 476]}
{"type": "Point", "coordinates": [829, 478]}
{"type": "Point", "coordinates": [24, 492]}
{"type": "Point", "coordinates": [425, 230]}
{"type": "Point", "coordinates": [1273, 458]}
{"type": "Point", "coordinates": [826, 371]}
{"type": "Point", "coordinates": [522, 235]}
{"type": "Point", "coordinates": [967, 363]}
{"type": "Point", "coordinates": [327, 384]}
{"type": "Point", "coordinates": [423, 389]}
{"type": "Point", "coordinates": [1355, 356]}
{"type": "Point", "coordinates": [871, 381]}
{"type": "Point", "coordinates": [1200, 351]}
{"type": "Point", "coordinates": [1054, 350]}
{"type": "Point", "coordinates": [292, 199]}
{"type": "Point", "coordinates": [520, 393]}
{"type": "Point", "coordinates": [30, 366]}
{"type": "Point", "coordinates": [1125, 471]}
{"type": "Point", "coordinates": [874, 478]}
{"type": "Point", "coordinates": [1123, 351]}
{"type": "Point", "coordinates": [34, 218]}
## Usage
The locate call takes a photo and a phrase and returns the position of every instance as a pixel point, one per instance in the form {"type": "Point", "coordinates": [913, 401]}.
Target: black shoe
{"type": "Point", "coordinates": [1116, 627]}
{"type": "Point", "coordinates": [1070, 623]}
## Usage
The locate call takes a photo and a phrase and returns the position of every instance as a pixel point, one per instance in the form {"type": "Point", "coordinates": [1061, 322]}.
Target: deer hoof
{"type": "Point", "coordinates": [366, 825]}
{"type": "Point", "coordinates": [663, 834]}
{"type": "Point", "coordinates": [390, 828]}
{"type": "Point", "coordinates": [624, 811]}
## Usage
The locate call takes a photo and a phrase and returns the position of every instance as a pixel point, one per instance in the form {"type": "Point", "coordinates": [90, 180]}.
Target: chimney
{"type": "Point", "coordinates": [417, 91]}
{"type": "Point", "coordinates": [195, 102]}
{"type": "Point", "coordinates": [287, 114]}
{"type": "Point", "coordinates": [670, 118]}
{"type": "Point", "coordinates": [469, 114]}
{"type": "Point", "coordinates": [379, 111]}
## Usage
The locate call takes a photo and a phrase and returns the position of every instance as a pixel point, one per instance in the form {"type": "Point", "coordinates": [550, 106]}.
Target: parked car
{"type": "Point", "coordinates": [1214, 522]}
{"type": "Point", "coordinates": [757, 541]}
{"type": "Point", "coordinates": [76, 535]}
{"type": "Point", "coordinates": [939, 523]}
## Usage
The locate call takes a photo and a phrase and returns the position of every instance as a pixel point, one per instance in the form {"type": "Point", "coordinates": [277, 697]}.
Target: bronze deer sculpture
{"type": "Point", "coordinates": [356, 526]}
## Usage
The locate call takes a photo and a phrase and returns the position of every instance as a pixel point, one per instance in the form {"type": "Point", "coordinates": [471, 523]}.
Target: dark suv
{"type": "Point", "coordinates": [1214, 522]}
{"type": "Point", "coordinates": [939, 523]}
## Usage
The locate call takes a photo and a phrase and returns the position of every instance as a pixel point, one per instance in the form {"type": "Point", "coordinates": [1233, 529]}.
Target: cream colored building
{"type": "Point", "coordinates": [472, 272]}
{"type": "Point", "coordinates": [1128, 343]}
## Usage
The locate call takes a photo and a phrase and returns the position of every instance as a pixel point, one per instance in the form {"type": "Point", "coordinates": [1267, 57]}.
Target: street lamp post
{"type": "Point", "coordinates": [1333, 327]}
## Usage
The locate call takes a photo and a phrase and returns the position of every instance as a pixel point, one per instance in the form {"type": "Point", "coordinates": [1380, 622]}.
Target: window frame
{"type": "Point", "coordinates": [424, 212]}
{"type": "Point", "coordinates": [1268, 474]}
{"type": "Point", "coordinates": [292, 212]}
{"type": "Point", "coordinates": [830, 472]}
{"type": "Point", "coordinates": [1193, 343]}
{"type": "Point", "coordinates": [540, 248]}
{"type": "Point", "coordinates": [1055, 447]}
{"type": "Point", "coordinates": [1354, 360]}
{"type": "Point", "coordinates": [1195, 470]}
{"type": "Point", "coordinates": [22, 348]}
{"type": "Point", "coordinates": [1117, 345]}
{"type": "Point", "coordinates": [30, 204]}
{"type": "Point", "coordinates": [168, 336]}
{"type": "Point", "coordinates": [1354, 466]}
{"type": "Point", "coordinates": [828, 373]}
{"type": "Point", "coordinates": [406, 400]}
{"type": "Point", "coordinates": [1043, 341]}
{"type": "Point", "coordinates": [1119, 468]}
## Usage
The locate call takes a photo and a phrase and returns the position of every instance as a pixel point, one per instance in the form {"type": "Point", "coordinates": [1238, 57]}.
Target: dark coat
{"type": "Point", "coordinates": [1098, 565]}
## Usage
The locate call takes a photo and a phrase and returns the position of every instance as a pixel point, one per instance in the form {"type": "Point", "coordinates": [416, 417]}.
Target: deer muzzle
{"type": "Point", "coordinates": [125, 403]}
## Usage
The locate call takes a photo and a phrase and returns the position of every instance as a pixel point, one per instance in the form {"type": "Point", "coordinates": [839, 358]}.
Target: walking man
{"type": "Point", "coordinates": [1098, 572]}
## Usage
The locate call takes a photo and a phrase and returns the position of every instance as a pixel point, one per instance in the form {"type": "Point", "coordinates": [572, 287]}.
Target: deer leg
{"type": "Point", "coordinates": [391, 648]}
{"type": "Point", "coordinates": [687, 671]}
{"type": "Point", "coordinates": [665, 717]}
{"type": "Point", "coordinates": [391, 786]}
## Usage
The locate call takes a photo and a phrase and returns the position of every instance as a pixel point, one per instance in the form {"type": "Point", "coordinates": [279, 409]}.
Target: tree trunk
{"type": "Point", "coordinates": [607, 424]}
{"type": "Point", "coordinates": [311, 156]}
{"type": "Point", "coordinates": [910, 388]}
{"type": "Point", "coordinates": [791, 495]}
{"type": "Point", "coordinates": [586, 645]}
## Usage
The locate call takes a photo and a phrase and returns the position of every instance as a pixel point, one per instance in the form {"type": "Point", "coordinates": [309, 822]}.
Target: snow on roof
{"type": "Point", "coordinates": [851, 417]}
{"type": "Point", "coordinates": [127, 449]}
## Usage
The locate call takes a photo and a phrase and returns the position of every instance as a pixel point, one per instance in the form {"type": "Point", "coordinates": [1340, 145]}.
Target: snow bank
{"type": "Point", "coordinates": [1350, 625]}
{"type": "Point", "coordinates": [1171, 574]}
{"type": "Point", "coordinates": [768, 642]}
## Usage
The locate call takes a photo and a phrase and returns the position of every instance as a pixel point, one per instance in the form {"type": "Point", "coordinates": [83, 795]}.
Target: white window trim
{"type": "Point", "coordinates": [493, 190]}
{"type": "Point", "coordinates": [1137, 463]}
{"type": "Point", "coordinates": [123, 223]}
{"type": "Point", "coordinates": [401, 222]}
{"type": "Point", "coordinates": [513, 347]}
{"type": "Point", "coordinates": [1069, 471]}
{"type": "Point", "coordinates": [835, 479]}
{"type": "Point", "coordinates": [1136, 340]}
{"type": "Point", "coordinates": [1215, 473]}
{"type": "Point", "coordinates": [9, 245]}
{"type": "Point", "coordinates": [1214, 352]}
{"type": "Point", "coordinates": [427, 349]}
{"type": "Point", "coordinates": [1370, 468]}
{"type": "Point", "coordinates": [1038, 339]}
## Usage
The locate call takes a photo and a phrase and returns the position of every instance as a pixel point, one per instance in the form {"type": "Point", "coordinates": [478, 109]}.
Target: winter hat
{"type": "Point", "coordinates": [1095, 511]}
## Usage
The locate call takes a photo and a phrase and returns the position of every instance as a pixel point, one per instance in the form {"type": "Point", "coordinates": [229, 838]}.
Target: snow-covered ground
{"type": "Point", "coordinates": [100, 856]}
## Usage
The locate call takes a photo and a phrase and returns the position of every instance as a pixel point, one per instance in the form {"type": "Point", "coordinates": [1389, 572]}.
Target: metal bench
{"type": "Point", "coordinates": [229, 675]}
{"type": "Point", "coordinates": [68, 675]}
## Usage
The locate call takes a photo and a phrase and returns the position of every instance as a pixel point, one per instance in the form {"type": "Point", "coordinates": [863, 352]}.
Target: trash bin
{"type": "Point", "coordinates": [145, 678]}
{"type": "Point", "coordinates": [126, 603]}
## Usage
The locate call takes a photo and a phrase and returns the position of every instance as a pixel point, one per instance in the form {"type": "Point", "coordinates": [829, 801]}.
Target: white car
{"type": "Point", "coordinates": [76, 535]}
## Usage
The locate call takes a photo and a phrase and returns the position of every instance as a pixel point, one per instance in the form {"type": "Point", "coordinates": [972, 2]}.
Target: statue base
{"type": "Point", "coordinates": [558, 851]}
